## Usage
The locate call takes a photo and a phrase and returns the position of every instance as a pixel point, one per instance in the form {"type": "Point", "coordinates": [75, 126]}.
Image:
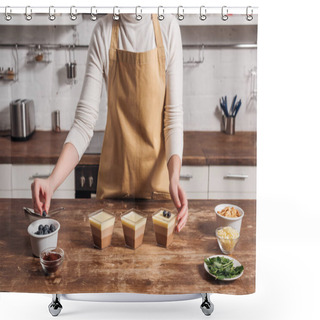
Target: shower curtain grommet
{"type": "Point", "coordinates": [55, 306]}
{"type": "Point", "coordinates": [160, 15]}
{"type": "Point", "coordinates": [207, 306]}
{"type": "Point", "coordinates": [138, 15]}
{"type": "Point", "coordinates": [116, 15]}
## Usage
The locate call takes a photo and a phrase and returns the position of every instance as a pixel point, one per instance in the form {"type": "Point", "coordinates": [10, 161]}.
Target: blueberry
{"type": "Point", "coordinates": [45, 229]}
{"type": "Point", "coordinates": [40, 227]}
{"type": "Point", "coordinates": [41, 232]}
{"type": "Point", "coordinates": [168, 214]}
{"type": "Point", "coordinates": [164, 213]}
{"type": "Point", "coordinates": [44, 213]}
{"type": "Point", "coordinates": [37, 232]}
{"type": "Point", "coordinates": [52, 228]}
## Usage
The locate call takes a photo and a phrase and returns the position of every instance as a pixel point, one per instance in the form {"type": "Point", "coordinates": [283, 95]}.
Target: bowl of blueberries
{"type": "Point", "coordinates": [43, 234]}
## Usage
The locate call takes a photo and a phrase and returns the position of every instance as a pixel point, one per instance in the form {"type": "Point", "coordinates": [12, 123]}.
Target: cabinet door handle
{"type": "Point", "coordinates": [236, 176]}
{"type": "Point", "coordinates": [186, 176]}
{"type": "Point", "coordinates": [90, 181]}
{"type": "Point", "coordinates": [40, 176]}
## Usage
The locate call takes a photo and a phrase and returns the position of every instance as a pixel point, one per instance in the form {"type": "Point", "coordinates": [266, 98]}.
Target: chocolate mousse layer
{"type": "Point", "coordinates": [102, 223]}
{"type": "Point", "coordinates": [101, 239]}
{"type": "Point", "coordinates": [164, 236]}
{"type": "Point", "coordinates": [133, 225]}
{"type": "Point", "coordinates": [133, 238]}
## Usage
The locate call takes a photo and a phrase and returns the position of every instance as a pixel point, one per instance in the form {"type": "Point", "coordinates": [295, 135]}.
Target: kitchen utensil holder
{"type": "Point", "coordinates": [195, 62]}
{"type": "Point", "coordinates": [71, 70]}
{"type": "Point", "coordinates": [38, 54]}
{"type": "Point", "coordinates": [56, 121]}
{"type": "Point", "coordinates": [228, 125]}
{"type": "Point", "coordinates": [71, 66]}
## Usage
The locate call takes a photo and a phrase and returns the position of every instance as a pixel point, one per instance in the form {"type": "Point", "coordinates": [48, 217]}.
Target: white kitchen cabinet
{"type": "Point", "coordinates": [5, 180]}
{"type": "Point", "coordinates": [197, 195]}
{"type": "Point", "coordinates": [23, 194]}
{"type": "Point", "coordinates": [5, 194]}
{"type": "Point", "coordinates": [23, 176]}
{"type": "Point", "coordinates": [232, 182]}
{"type": "Point", "coordinates": [194, 181]}
{"type": "Point", "coordinates": [64, 194]}
{"type": "Point", "coordinates": [199, 182]}
{"type": "Point", "coordinates": [219, 182]}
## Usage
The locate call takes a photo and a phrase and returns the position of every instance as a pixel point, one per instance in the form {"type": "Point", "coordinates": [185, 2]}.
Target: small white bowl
{"type": "Point", "coordinates": [42, 242]}
{"type": "Point", "coordinates": [226, 221]}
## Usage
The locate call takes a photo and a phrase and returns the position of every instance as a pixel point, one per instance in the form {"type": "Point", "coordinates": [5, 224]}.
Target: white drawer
{"type": "Point", "coordinates": [26, 194]}
{"type": "Point", "coordinates": [5, 177]}
{"type": "Point", "coordinates": [5, 194]}
{"type": "Point", "coordinates": [23, 194]}
{"type": "Point", "coordinates": [63, 194]}
{"type": "Point", "coordinates": [232, 195]}
{"type": "Point", "coordinates": [194, 178]}
{"type": "Point", "coordinates": [23, 175]}
{"type": "Point", "coordinates": [197, 195]}
{"type": "Point", "coordinates": [232, 179]}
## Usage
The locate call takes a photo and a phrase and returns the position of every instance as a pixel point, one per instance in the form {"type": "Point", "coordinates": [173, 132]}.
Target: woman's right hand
{"type": "Point", "coordinates": [42, 192]}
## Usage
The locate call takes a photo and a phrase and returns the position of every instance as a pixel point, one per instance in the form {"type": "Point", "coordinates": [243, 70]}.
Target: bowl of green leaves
{"type": "Point", "coordinates": [223, 267]}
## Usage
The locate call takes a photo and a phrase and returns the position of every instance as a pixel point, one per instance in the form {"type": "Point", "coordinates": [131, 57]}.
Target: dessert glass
{"type": "Point", "coordinates": [133, 225]}
{"type": "Point", "coordinates": [101, 223]}
{"type": "Point", "coordinates": [163, 226]}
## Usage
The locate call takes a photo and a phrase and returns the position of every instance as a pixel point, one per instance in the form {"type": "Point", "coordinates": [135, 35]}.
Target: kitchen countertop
{"type": "Point", "coordinates": [149, 269]}
{"type": "Point", "coordinates": [200, 148]}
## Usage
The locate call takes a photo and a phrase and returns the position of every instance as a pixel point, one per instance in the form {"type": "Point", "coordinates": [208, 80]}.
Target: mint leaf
{"type": "Point", "coordinates": [222, 267]}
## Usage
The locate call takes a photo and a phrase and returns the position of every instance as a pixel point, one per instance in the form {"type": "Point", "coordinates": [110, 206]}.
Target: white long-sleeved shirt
{"type": "Point", "coordinates": [135, 36]}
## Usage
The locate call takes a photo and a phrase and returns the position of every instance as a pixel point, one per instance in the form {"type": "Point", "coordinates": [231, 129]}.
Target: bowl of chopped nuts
{"type": "Point", "coordinates": [229, 215]}
{"type": "Point", "coordinates": [227, 239]}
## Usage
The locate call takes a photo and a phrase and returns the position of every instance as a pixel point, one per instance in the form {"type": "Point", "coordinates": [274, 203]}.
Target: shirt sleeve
{"type": "Point", "coordinates": [173, 112]}
{"type": "Point", "coordinates": [87, 109]}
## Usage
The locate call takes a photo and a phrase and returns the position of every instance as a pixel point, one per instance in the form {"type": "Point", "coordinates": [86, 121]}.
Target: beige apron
{"type": "Point", "coordinates": [133, 161]}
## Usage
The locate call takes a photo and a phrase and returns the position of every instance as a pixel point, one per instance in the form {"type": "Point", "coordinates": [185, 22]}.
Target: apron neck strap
{"type": "Point", "coordinates": [156, 27]}
{"type": "Point", "coordinates": [157, 31]}
{"type": "Point", "coordinates": [115, 35]}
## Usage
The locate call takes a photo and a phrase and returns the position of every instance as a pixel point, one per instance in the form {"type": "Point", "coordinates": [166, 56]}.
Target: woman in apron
{"type": "Point", "coordinates": [134, 162]}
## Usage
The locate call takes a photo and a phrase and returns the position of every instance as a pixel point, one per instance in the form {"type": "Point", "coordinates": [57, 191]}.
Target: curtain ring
{"type": "Point", "coordinates": [116, 16]}
{"type": "Point", "coordinates": [8, 17]}
{"type": "Point", "coordinates": [180, 13]}
{"type": "Point", "coordinates": [52, 16]}
{"type": "Point", "coordinates": [203, 13]}
{"type": "Point", "coordinates": [160, 16]}
{"type": "Point", "coordinates": [93, 16]}
{"type": "Point", "coordinates": [224, 13]}
{"type": "Point", "coordinates": [28, 14]}
{"type": "Point", "coordinates": [73, 15]}
{"type": "Point", "coordinates": [138, 16]}
{"type": "Point", "coordinates": [249, 15]}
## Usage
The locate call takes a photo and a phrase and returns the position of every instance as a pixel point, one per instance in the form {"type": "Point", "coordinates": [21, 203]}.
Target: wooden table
{"type": "Point", "coordinates": [148, 269]}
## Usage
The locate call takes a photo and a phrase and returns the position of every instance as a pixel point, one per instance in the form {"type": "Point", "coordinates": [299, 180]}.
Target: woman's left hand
{"type": "Point", "coordinates": [180, 201]}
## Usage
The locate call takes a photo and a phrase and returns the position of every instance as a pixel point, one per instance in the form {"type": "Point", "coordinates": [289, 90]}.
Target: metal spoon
{"type": "Point", "coordinates": [33, 213]}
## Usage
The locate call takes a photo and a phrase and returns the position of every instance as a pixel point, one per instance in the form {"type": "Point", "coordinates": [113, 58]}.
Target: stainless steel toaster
{"type": "Point", "coordinates": [22, 118]}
